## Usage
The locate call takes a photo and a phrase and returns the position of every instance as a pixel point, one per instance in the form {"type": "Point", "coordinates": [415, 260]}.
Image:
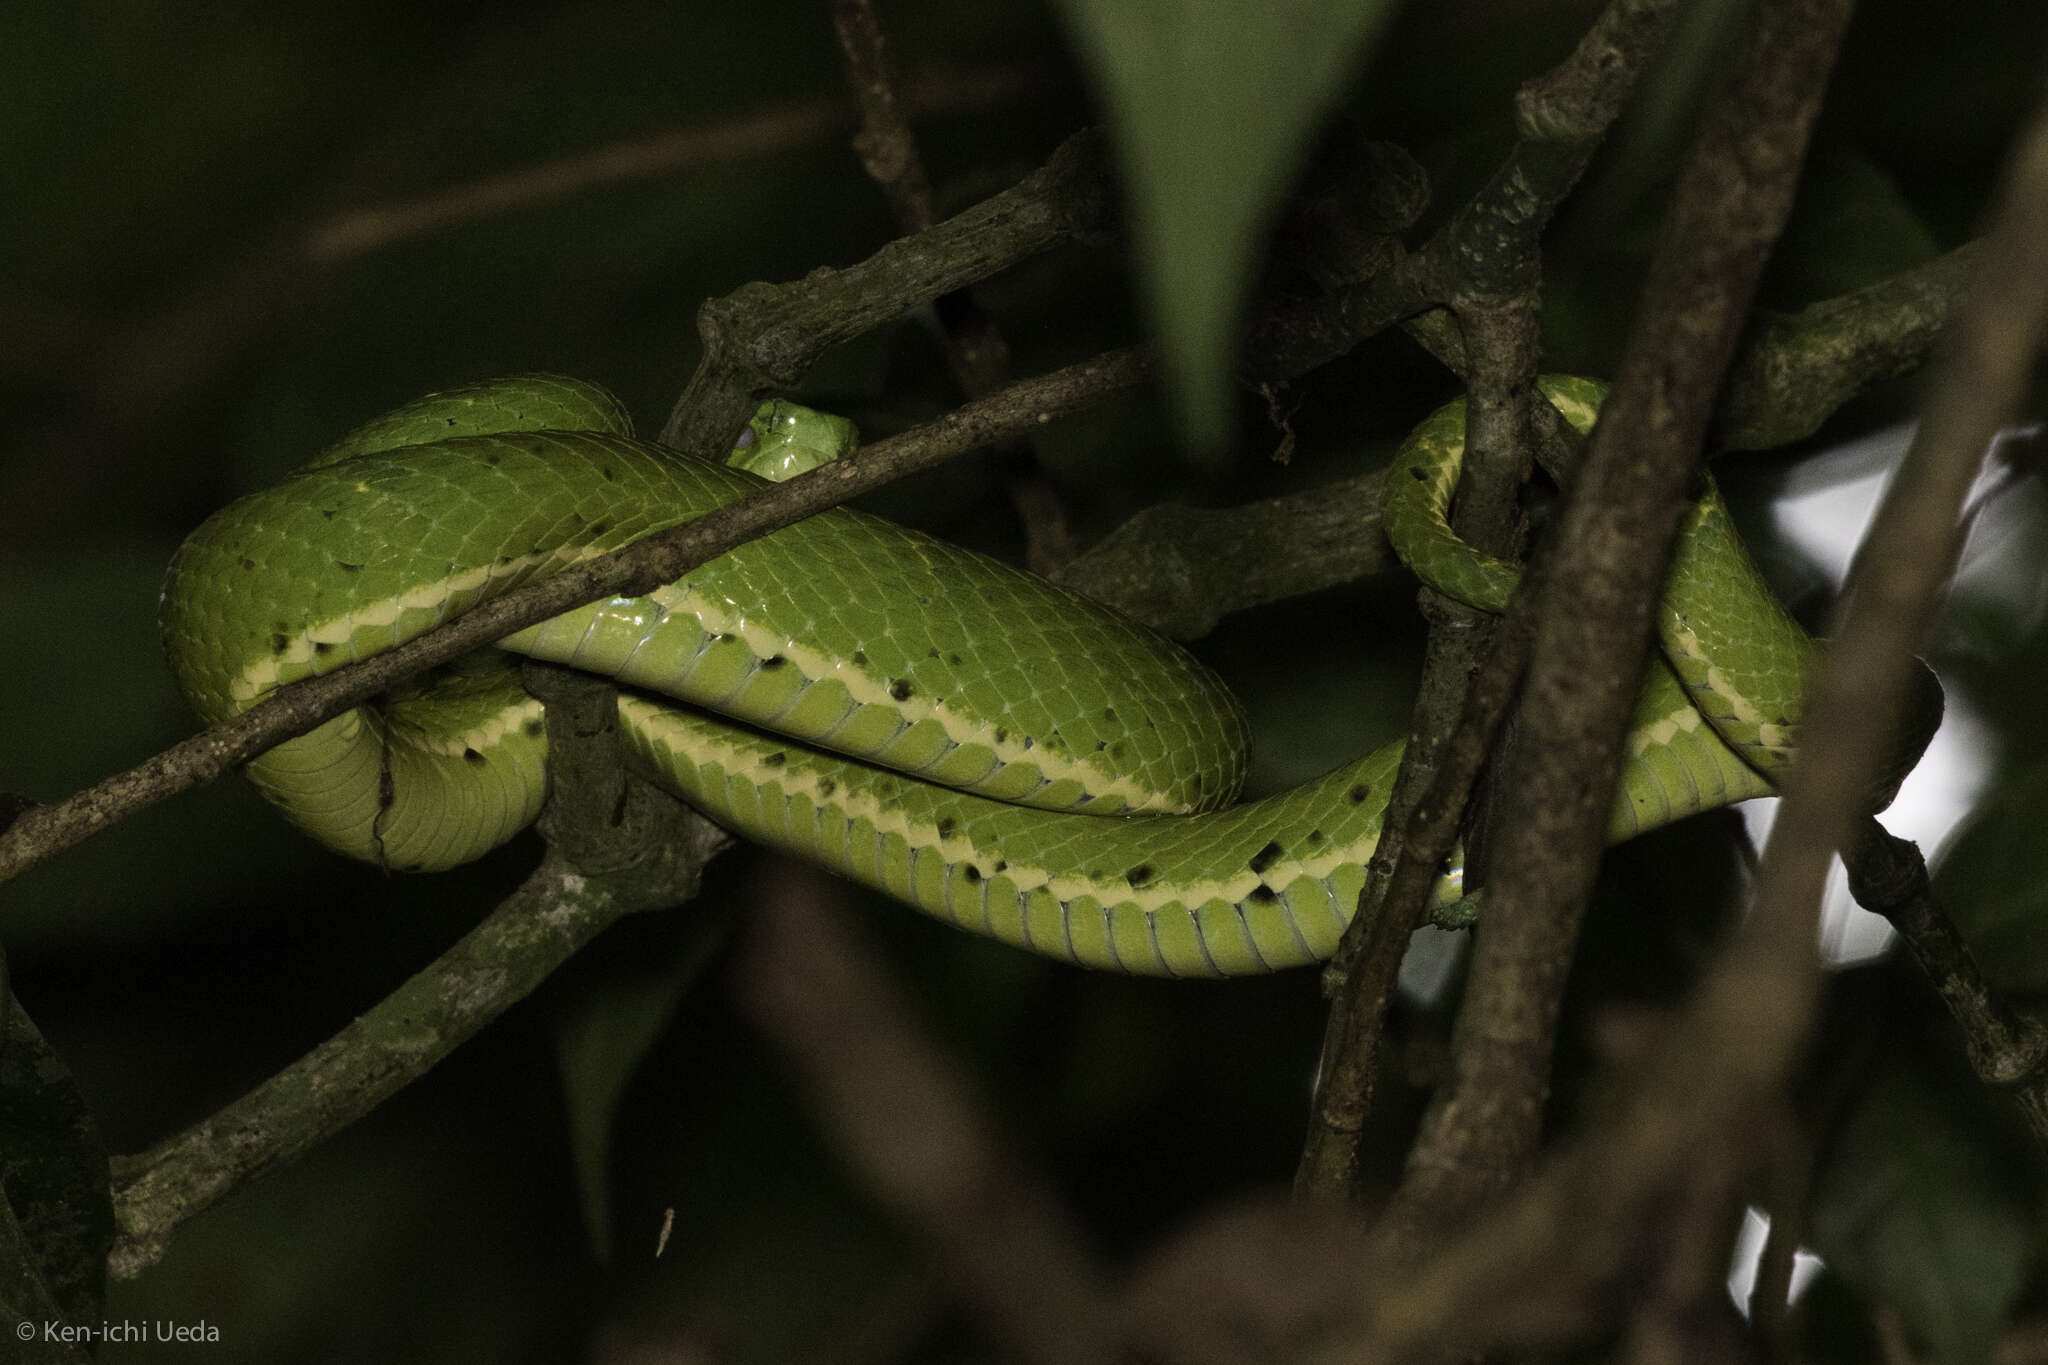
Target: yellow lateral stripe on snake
{"type": "Point", "coordinates": [899, 651]}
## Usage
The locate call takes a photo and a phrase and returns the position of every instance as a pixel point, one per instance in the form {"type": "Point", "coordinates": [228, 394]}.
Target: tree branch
{"type": "Point", "coordinates": [1613, 544]}
{"type": "Point", "coordinates": [1181, 569]}
{"type": "Point", "coordinates": [2008, 1050]}
{"type": "Point", "coordinates": [1709, 1101]}
{"type": "Point", "coordinates": [1799, 368]}
{"type": "Point", "coordinates": [616, 846]}
{"type": "Point", "coordinates": [765, 336]}
{"type": "Point", "coordinates": [1487, 261]}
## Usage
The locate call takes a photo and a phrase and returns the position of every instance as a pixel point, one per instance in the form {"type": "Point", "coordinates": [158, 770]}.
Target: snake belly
{"type": "Point", "coordinates": [1000, 753]}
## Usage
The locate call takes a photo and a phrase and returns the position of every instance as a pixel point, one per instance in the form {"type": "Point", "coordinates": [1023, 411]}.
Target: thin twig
{"type": "Point", "coordinates": [374, 227]}
{"type": "Point", "coordinates": [976, 351]}
{"type": "Point", "coordinates": [887, 149]}
{"type": "Point", "coordinates": [1429, 793]}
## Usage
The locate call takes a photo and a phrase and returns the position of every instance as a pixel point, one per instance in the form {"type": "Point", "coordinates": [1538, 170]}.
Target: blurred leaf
{"type": "Point", "coordinates": [1852, 226]}
{"type": "Point", "coordinates": [600, 1038]}
{"type": "Point", "coordinates": [1214, 103]}
{"type": "Point", "coordinates": [1918, 1208]}
{"type": "Point", "coordinates": [1993, 880]}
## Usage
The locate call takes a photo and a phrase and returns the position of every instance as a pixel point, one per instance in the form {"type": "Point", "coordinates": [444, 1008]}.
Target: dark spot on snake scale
{"type": "Point", "coordinates": [1418, 473]}
{"type": "Point", "coordinates": [1316, 836]}
{"type": "Point", "coordinates": [773, 661]}
{"type": "Point", "coordinates": [1263, 894]}
{"type": "Point", "coordinates": [279, 643]}
{"type": "Point", "coordinates": [901, 690]}
{"type": "Point", "coordinates": [599, 527]}
{"type": "Point", "coordinates": [931, 654]}
{"type": "Point", "coordinates": [860, 657]}
{"type": "Point", "coordinates": [472, 756]}
{"type": "Point", "coordinates": [494, 459]}
{"type": "Point", "coordinates": [946, 825]}
{"type": "Point", "coordinates": [774, 760]}
{"type": "Point", "coordinates": [1109, 714]}
{"type": "Point", "coordinates": [1139, 875]}
{"type": "Point", "coordinates": [955, 659]}
{"type": "Point", "coordinates": [826, 786]}
{"type": "Point", "coordinates": [533, 725]}
{"type": "Point", "coordinates": [973, 873]}
{"type": "Point", "coordinates": [1360, 794]}
{"type": "Point", "coordinates": [1002, 735]}
{"type": "Point", "coordinates": [347, 567]}
{"type": "Point", "coordinates": [322, 647]}
{"type": "Point", "coordinates": [1267, 856]}
{"type": "Point", "coordinates": [248, 563]}
{"type": "Point", "coordinates": [328, 513]}
{"type": "Point", "coordinates": [609, 477]}
{"type": "Point", "coordinates": [1001, 867]}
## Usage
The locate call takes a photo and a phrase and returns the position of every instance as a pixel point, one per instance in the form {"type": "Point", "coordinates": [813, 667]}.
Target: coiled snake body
{"type": "Point", "coordinates": [998, 752]}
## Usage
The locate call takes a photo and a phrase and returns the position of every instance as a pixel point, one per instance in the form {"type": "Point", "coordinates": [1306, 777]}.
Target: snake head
{"type": "Point", "coordinates": [784, 439]}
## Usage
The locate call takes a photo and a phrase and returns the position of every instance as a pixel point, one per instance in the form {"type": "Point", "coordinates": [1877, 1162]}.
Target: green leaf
{"type": "Point", "coordinates": [1213, 103]}
{"type": "Point", "coordinates": [1919, 1206]}
{"type": "Point", "coordinates": [602, 1030]}
{"type": "Point", "coordinates": [1851, 227]}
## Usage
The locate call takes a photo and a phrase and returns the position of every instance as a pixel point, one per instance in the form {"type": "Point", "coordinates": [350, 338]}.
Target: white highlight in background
{"type": "Point", "coordinates": [1749, 1249]}
{"type": "Point", "coordinates": [1824, 513]}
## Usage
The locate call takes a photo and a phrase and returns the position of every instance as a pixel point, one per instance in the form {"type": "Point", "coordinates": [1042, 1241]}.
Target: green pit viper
{"type": "Point", "coordinates": [1002, 754]}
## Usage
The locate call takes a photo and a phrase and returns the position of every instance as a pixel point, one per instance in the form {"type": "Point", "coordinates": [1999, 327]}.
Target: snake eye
{"type": "Point", "coordinates": [746, 440]}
